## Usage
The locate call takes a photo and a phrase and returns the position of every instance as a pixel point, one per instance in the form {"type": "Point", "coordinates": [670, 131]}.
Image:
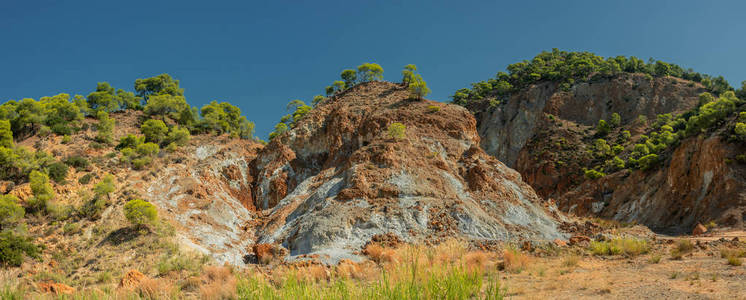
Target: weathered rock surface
{"type": "Point", "coordinates": [545, 134]}
{"type": "Point", "coordinates": [337, 179]}
{"type": "Point", "coordinates": [506, 130]}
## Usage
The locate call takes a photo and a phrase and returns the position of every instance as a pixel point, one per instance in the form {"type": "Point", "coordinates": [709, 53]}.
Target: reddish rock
{"type": "Point", "coordinates": [577, 239]}
{"type": "Point", "coordinates": [55, 288]}
{"type": "Point", "coordinates": [132, 279]}
{"type": "Point", "coordinates": [699, 229]}
{"type": "Point", "coordinates": [560, 243]}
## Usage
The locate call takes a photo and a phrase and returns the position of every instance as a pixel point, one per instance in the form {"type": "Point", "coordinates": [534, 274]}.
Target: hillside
{"type": "Point", "coordinates": [658, 150]}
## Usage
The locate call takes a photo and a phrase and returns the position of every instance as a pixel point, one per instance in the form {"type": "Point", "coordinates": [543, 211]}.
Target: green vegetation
{"type": "Point", "coordinates": [603, 128]}
{"type": "Point", "coordinates": [42, 190]}
{"type": "Point", "coordinates": [140, 212]}
{"type": "Point", "coordinates": [13, 247]}
{"type": "Point", "coordinates": [593, 174]}
{"type": "Point", "coordinates": [58, 172]}
{"type": "Point", "coordinates": [369, 72]}
{"type": "Point", "coordinates": [106, 99]}
{"type": "Point", "coordinates": [417, 86]}
{"type": "Point", "coordinates": [683, 247]}
{"type": "Point", "coordinates": [6, 135]}
{"type": "Point", "coordinates": [10, 211]}
{"type": "Point", "coordinates": [105, 127]}
{"type": "Point", "coordinates": [620, 246]}
{"type": "Point", "coordinates": [154, 130]}
{"type": "Point", "coordinates": [568, 68]}
{"type": "Point", "coordinates": [397, 131]}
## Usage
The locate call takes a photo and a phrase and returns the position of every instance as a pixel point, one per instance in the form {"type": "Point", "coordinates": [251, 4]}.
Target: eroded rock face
{"type": "Point", "coordinates": [545, 134]}
{"type": "Point", "coordinates": [337, 179]}
{"type": "Point", "coordinates": [696, 185]}
{"type": "Point", "coordinates": [208, 193]}
{"type": "Point", "coordinates": [506, 130]}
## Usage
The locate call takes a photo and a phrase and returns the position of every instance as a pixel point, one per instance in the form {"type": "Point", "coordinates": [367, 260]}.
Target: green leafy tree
{"type": "Point", "coordinates": [369, 72]}
{"type": "Point", "coordinates": [105, 127]}
{"type": "Point", "coordinates": [647, 162]}
{"type": "Point", "coordinates": [280, 128]}
{"type": "Point", "coordinates": [42, 190]}
{"type": "Point", "coordinates": [418, 87]}
{"type": "Point", "coordinates": [317, 99]}
{"type": "Point", "coordinates": [105, 187]}
{"type": "Point", "coordinates": [104, 98]}
{"type": "Point", "coordinates": [10, 211]}
{"type": "Point", "coordinates": [165, 105]}
{"type": "Point", "coordinates": [740, 131]}
{"type": "Point", "coordinates": [226, 118]}
{"type": "Point", "coordinates": [140, 212]}
{"type": "Point", "coordinates": [6, 134]}
{"type": "Point", "coordinates": [154, 130]}
{"type": "Point", "coordinates": [350, 77]}
{"type": "Point", "coordinates": [408, 74]}
{"type": "Point", "coordinates": [158, 85]}
{"type": "Point", "coordinates": [397, 131]}
{"type": "Point", "coordinates": [340, 85]}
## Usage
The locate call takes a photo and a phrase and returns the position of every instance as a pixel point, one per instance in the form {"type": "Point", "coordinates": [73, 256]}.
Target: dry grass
{"type": "Point", "coordinates": [380, 254]}
{"type": "Point", "coordinates": [623, 246]}
{"type": "Point", "coordinates": [515, 261]}
{"type": "Point", "coordinates": [683, 247]}
{"type": "Point", "coordinates": [734, 261]}
{"type": "Point", "coordinates": [571, 261]}
{"type": "Point", "coordinates": [156, 288]}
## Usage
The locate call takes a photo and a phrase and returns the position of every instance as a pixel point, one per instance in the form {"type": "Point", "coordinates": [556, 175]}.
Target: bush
{"type": "Point", "coordinates": [603, 128]}
{"type": "Point", "coordinates": [178, 136]}
{"type": "Point", "coordinates": [12, 248]}
{"type": "Point", "coordinates": [85, 179]}
{"type": "Point", "coordinates": [397, 131]}
{"type": "Point", "coordinates": [77, 162]}
{"type": "Point", "coordinates": [140, 163]}
{"type": "Point", "coordinates": [58, 172]}
{"type": "Point", "coordinates": [67, 139]}
{"type": "Point", "coordinates": [593, 174]}
{"type": "Point", "coordinates": [433, 108]}
{"type": "Point", "coordinates": [647, 162]}
{"type": "Point", "coordinates": [740, 131]}
{"type": "Point", "coordinates": [682, 248]}
{"type": "Point", "coordinates": [6, 134]}
{"type": "Point", "coordinates": [154, 130]}
{"type": "Point", "coordinates": [130, 141]}
{"type": "Point", "coordinates": [140, 212]}
{"type": "Point", "coordinates": [93, 208]}
{"type": "Point", "coordinates": [105, 187]}
{"type": "Point", "coordinates": [615, 120]}
{"type": "Point", "coordinates": [42, 190]}
{"type": "Point", "coordinates": [625, 246]}
{"type": "Point", "coordinates": [105, 127]}
{"type": "Point", "coordinates": [10, 211]}
{"type": "Point", "coordinates": [147, 149]}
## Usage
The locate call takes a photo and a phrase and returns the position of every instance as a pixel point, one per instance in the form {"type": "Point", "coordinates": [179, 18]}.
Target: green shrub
{"type": "Point", "coordinates": [6, 134]}
{"type": "Point", "coordinates": [42, 190]}
{"type": "Point", "coordinates": [13, 247]}
{"type": "Point", "coordinates": [105, 128]}
{"type": "Point", "coordinates": [85, 179]}
{"type": "Point", "coordinates": [740, 131]}
{"type": "Point", "coordinates": [433, 108]}
{"type": "Point", "coordinates": [10, 211]}
{"type": "Point", "coordinates": [647, 162]}
{"type": "Point", "coordinates": [93, 208]}
{"type": "Point", "coordinates": [615, 120]}
{"type": "Point", "coordinates": [61, 129]}
{"type": "Point", "coordinates": [140, 212]}
{"type": "Point", "coordinates": [147, 149]}
{"type": "Point", "coordinates": [593, 174]}
{"type": "Point", "coordinates": [67, 139]}
{"type": "Point", "coordinates": [58, 172]}
{"type": "Point", "coordinates": [626, 135]}
{"type": "Point", "coordinates": [620, 246]}
{"type": "Point", "coordinates": [682, 248]}
{"type": "Point", "coordinates": [105, 187]}
{"type": "Point", "coordinates": [154, 130]}
{"type": "Point", "coordinates": [130, 141]}
{"type": "Point", "coordinates": [397, 131]}
{"type": "Point", "coordinates": [178, 136]}
{"type": "Point", "coordinates": [140, 163]}
{"type": "Point", "coordinates": [603, 128]}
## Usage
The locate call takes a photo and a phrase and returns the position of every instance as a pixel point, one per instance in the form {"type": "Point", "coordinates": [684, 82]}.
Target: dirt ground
{"type": "Point", "coordinates": [701, 274]}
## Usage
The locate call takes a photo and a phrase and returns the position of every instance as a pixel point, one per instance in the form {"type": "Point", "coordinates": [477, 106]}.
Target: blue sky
{"type": "Point", "coordinates": [259, 55]}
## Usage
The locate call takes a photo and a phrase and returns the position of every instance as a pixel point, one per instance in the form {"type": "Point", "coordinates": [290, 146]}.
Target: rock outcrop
{"type": "Point", "coordinates": [337, 178]}
{"type": "Point", "coordinates": [546, 135]}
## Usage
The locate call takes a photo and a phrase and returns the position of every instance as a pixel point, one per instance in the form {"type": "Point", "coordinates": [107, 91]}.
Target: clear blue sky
{"type": "Point", "coordinates": [261, 54]}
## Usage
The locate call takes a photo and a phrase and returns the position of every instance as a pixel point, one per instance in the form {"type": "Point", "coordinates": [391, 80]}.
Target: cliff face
{"type": "Point", "coordinates": [507, 129]}
{"type": "Point", "coordinates": [547, 135]}
{"type": "Point", "coordinates": [335, 180]}
{"type": "Point", "coordinates": [698, 184]}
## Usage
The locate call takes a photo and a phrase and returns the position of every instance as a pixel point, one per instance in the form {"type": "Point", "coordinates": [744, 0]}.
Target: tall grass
{"type": "Point", "coordinates": [620, 246]}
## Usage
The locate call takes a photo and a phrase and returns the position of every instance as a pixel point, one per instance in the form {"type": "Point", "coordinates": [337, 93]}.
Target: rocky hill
{"type": "Point", "coordinates": [551, 134]}
{"type": "Point", "coordinates": [338, 178]}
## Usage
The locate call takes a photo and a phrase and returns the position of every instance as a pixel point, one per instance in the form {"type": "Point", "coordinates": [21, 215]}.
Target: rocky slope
{"type": "Point", "coordinates": [547, 135]}
{"type": "Point", "coordinates": [337, 179]}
